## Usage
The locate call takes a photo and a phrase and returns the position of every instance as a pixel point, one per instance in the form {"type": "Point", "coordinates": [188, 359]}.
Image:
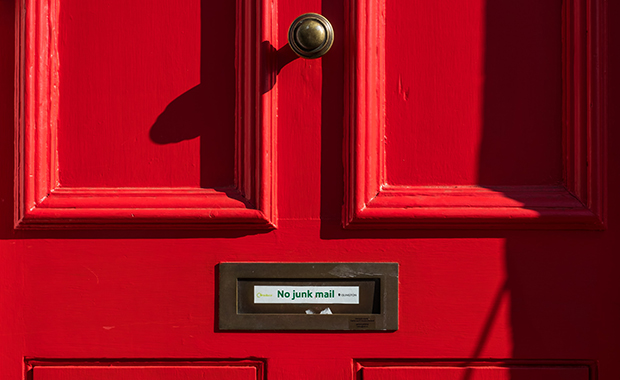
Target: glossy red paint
{"type": "Point", "coordinates": [44, 198]}
{"type": "Point", "coordinates": [480, 372]}
{"type": "Point", "coordinates": [240, 370]}
{"type": "Point", "coordinates": [436, 149]}
{"type": "Point", "coordinates": [143, 154]}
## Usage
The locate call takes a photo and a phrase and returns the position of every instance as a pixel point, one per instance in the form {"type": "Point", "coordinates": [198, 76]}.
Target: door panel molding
{"type": "Point", "coordinates": [42, 202]}
{"type": "Point", "coordinates": [578, 204]}
{"type": "Point", "coordinates": [488, 369]}
{"type": "Point", "coordinates": [36, 369]}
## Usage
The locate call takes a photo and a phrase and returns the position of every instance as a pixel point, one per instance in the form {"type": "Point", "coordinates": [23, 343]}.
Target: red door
{"type": "Point", "coordinates": [155, 139]}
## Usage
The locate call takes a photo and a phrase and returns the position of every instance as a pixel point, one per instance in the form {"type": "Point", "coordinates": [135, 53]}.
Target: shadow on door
{"type": "Point", "coordinates": [559, 284]}
{"type": "Point", "coordinates": [197, 113]}
{"type": "Point", "coordinates": [554, 278]}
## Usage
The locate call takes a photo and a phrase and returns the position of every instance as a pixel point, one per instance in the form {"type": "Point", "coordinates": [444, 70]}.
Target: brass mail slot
{"type": "Point", "coordinates": [308, 296]}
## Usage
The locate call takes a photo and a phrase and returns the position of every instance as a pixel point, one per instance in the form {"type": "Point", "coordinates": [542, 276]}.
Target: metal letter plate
{"type": "Point", "coordinates": [308, 296]}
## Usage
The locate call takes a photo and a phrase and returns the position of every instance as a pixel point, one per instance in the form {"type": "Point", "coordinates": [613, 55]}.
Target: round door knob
{"type": "Point", "coordinates": [310, 35]}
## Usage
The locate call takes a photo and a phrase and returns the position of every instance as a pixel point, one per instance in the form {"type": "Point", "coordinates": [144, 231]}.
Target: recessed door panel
{"type": "Point", "coordinates": [171, 372]}
{"type": "Point", "coordinates": [477, 373]}
{"type": "Point", "coordinates": [133, 116]}
{"type": "Point", "coordinates": [475, 98]}
{"type": "Point", "coordinates": [443, 133]}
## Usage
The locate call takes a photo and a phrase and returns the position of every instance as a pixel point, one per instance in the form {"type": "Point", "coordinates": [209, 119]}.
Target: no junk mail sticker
{"type": "Point", "coordinates": [307, 294]}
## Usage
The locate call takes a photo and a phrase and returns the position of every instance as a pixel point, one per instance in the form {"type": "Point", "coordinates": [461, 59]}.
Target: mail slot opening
{"type": "Point", "coordinates": [308, 296]}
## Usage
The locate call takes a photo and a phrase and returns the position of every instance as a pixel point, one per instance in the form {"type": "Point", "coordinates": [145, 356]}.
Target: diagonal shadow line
{"type": "Point", "coordinates": [488, 324]}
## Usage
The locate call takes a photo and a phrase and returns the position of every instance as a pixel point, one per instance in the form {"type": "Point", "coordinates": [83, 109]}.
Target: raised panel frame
{"type": "Point", "coordinates": [468, 368]}
{"type": "Point", "coordinates": [41, 202]}
{"type": "Point", "coordinates": [579, 203]}
{"type": "Point", "coordinates": [130, 368]}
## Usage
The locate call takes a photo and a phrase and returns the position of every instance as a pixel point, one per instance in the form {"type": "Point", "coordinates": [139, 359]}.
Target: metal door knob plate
{"type": "Point", "coordinates": [311, 35]}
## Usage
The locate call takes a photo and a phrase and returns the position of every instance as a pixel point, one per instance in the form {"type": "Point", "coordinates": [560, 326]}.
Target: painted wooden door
{"type": "Point", "coordinates": [146, 141]}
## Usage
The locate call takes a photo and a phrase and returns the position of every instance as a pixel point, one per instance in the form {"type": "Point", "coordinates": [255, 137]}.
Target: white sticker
{"type": "Point", "coordinates": [307, 294]}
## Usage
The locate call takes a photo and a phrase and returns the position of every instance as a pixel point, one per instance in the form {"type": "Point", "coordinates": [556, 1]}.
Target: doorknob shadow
{"type": "Point", "coordinates": [282, 57]}
{"type": "Point", "coordinates": [285, 55]}
{"type": "Point", "coordinates": [207, 110]}
{"type": "Point", "coordinates": [200, 113]}
{"type": "Point", "coordinates": [193, 115]}
{"type": "Point", "coordinates": [182, 119]}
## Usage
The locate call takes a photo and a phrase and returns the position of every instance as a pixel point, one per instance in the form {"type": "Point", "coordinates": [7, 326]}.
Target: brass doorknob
{"type": "Point", "coordinates": [310, 35]}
